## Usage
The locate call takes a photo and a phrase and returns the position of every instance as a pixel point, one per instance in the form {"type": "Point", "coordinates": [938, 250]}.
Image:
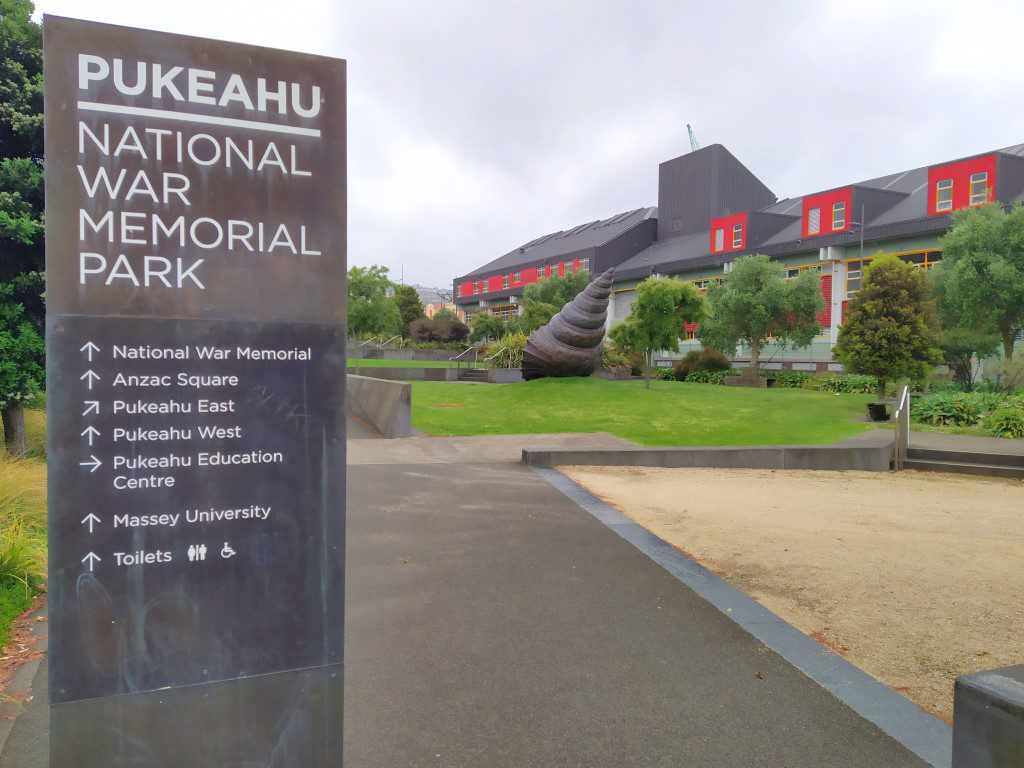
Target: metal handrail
{"type": "Point", "coordinates": [368, 341]}
{"type": "Point", "coordinates": [491, 357]}
{"type": "Point", "coordinates": [458, 357]}
{"type": "Point", "coordinates": [385, 343]}
{"type": "Point", "coordinates": [902, 418]}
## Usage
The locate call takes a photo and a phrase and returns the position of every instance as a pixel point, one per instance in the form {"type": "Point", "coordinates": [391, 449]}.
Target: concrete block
{"type": "Point", "coordinates": [504, 375]}
{"type": "Point", "coordinates": [384, 405]}
{"type": "Point", "coordinates": [988, 719]}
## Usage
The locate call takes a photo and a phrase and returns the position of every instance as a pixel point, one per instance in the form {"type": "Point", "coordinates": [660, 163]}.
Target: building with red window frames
{"type": "Point", "coordinates": [712, 209]}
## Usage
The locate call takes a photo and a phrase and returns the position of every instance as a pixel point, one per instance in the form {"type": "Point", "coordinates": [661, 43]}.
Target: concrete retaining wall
{"type": "Point", "coordinates": [407, 374]}
{"type": "Point", "coordinates": [871, 452]}
{"type": "Point", "coordinates": [504, 375]}
{"type": "Point", "coordinates": [988, 719]}
{"type": "Point", "coordinates": [407, 354]}
{"type": "Point", "coordinates": [384, 405]}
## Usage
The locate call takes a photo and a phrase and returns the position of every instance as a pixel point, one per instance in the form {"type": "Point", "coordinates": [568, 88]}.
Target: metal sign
{"type": "Point", "coordinates": [195, 238]}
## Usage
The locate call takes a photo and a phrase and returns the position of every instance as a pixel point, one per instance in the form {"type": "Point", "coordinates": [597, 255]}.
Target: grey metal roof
{"type": "Point", "coordinates": [907, 216]}
{"type": "Point", "coordinates": [566, 241]}
{"type": "Point", "coordinates": [661, 253]}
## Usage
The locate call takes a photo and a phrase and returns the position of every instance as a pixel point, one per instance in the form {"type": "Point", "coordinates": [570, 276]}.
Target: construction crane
{"type": "Point", "coordinates": [694, 146]}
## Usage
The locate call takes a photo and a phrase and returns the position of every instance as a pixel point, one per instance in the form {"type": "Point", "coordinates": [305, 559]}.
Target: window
{"type": "Point", "coordinates": [737, 236]}
{"type": "Point", "coordinates": [691, 335]}
{"type": "Point", "coordinates": [516, 277]}
{"type": "Point", "coordinates": [584, 264]}
{"type": "Point", "coordinates": [719, 239]}
{"type": "Point", "coordinates": [475, 288]}
{"type": "Point", "coordinates": [855, 275]}
{"type": "Point", "coordinates": [504, 281]}
{"type": "Point", "coordinates": [944, 194]}
{"type": "Point", "coordinates": [979, 188]}
{"type": "Point", "coordinates": [792, 272]}
{"type": "Point", "coordinates": [921, 260]}
{"type": "Point", "coordinates": [624, 303]}
{"type": "Point", "coordinates": [814, 221]}
{"type": "Point", "coordinates": [838, 216]}
{"type": "Point", "coordinates": [482, 287]}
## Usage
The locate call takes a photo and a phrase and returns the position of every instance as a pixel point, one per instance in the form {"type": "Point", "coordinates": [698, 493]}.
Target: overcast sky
{"type": "Point", "coordinates": [477, 126]}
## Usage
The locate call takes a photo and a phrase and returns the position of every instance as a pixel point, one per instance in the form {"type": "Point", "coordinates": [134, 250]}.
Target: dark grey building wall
{"type": "Point", "coordinates": [1009, 177]}
{"type": "Point", "coordinates": [620, 248]}
{"type": "Point", "coordinates": [705, 184]}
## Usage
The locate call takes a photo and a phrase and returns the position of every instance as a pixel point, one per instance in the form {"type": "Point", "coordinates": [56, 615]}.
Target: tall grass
{"type": "Point", "coordinates": [22, 521]}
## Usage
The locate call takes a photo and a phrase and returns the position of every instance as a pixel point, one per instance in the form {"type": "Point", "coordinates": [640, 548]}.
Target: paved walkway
{"type": "Point", "coordinates": [966, 443]}
{"type": "Point", "coordinates": [491, 621]}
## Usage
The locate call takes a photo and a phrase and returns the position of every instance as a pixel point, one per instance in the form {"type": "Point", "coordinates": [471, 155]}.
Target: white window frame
{"type": "Point", "coordinates": [720, 239]}
{"type": "Point", "coordinates": [812, 228]}
{"type": "Point", "coordinates": [942, 206]}
{"type": "Point", "coordinates": [839, 207]}
{"type": "Point", "coordinates": [984, 193]}
{"type": "Point", "coordinates": [584, 264]}
{"type": "Point", "coordinates": [516, 277]}
{"type": "Point", "coordinates": [737, 235]}
{"type": "Point", "coordinates": [504, 281]}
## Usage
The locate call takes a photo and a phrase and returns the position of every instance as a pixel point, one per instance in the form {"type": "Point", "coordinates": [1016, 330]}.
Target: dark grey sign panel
{"type": "Point", "coordinates": [195, 341]}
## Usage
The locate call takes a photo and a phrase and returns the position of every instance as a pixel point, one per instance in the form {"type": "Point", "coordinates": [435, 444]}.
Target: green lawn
{"type": "Point", "coordinates": [400, 363]}
{"type": "Point", "coordinates": [670, 413]}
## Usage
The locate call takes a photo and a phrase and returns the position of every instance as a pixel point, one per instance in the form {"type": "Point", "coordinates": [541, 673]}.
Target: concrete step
{"type": "Point", "coordinates": [990, 470]}
{"type": "Point", "coordinates": [966, 457]}
{"type": "Point", "coordinates": [473, 374]}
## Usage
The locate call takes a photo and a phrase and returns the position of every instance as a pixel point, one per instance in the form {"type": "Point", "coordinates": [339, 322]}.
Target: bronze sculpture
{"type": "Point", "coordinates": [570, 344]}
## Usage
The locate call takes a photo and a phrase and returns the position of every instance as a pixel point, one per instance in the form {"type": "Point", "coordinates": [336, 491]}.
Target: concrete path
{"type": "Point", "coordinates": [967, 443]}
{"type": "Point", "coordinates": [491, 621]}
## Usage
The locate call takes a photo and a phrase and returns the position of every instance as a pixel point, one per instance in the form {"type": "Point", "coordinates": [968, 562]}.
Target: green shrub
{"type": "Point", "coordinates": [944, 386]}
{"type": "Point", "coordinates": [848, 383]}
{"type": "Point", "coordinates": [15, 599]}
{"type": "Point", "coordinates": [701, 360]}
{"type": "Point", "coordinates": [706, 377]}
{"type": "Point", "coordinates": [1006, 420]}
{"type": "Point", "coordinates": [665, 374]}
{"type": "Point", "coordinates": [509, 350]}
{"type": "Point", "coordinates": [613, 358]}
{"type": "Point", "coordinates": [957, 409]}
{"type": "Point", "coordinates": [788, 379]}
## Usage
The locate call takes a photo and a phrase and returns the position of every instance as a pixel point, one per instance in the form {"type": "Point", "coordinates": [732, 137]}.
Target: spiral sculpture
{"type": "Point", "coordinates": [570, 344]}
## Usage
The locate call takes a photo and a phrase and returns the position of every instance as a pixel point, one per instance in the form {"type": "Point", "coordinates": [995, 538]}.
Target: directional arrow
{"type": "Point", "coordinates": [89, 348]}
{"type": "Point", "coordinates": [95, 464]}
{"type": "Point", "coordinates": [92, 432]}
{"type": "Point", "coordinates": [91, 559]}
{"type": "Point", "coordinates": [91, 406]}
{"type": "Point", "coordinates": [91, 519]}
{"type": "Point", "coordinates": [90, 377]}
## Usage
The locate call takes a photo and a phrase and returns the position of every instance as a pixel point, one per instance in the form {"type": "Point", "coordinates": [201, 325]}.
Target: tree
{"type": "Point", "coordinates": [443, 331]}
{"type": "Point", "coordinates": [961, 346]}
{"type": "Point", "coordinates": [557, 291]}
{"type": "Point", "coordinates": [543, 299]}
{"type": "Point", "coordinates": [21, 369]}
{"type": "Point", "coordinates": [486, 327]}
{"type": "Point", "coordinates": [370, 310]}
{"type": "Point", "coordinates": [980, 281]}
{"type": "Point", "coordinates": [755, 302]}
{"type": "Point", "coordinates": [446, 314]}
{"type": "Point", "coordinates": [22, 311]}
{"type": "Point", "coordinates": [409, 305]}
{"type": "Point", "coordinates": [658, 317]}
{"type": "Point", "coordinates": [891, 329]}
